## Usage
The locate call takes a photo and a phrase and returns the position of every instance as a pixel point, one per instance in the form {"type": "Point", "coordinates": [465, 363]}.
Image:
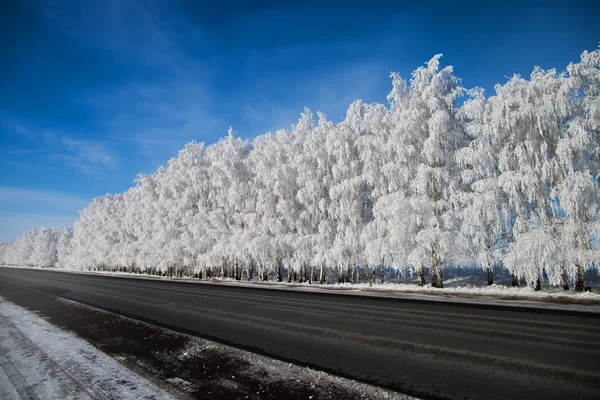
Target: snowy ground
{"type": "Point", "coordinates": [40, 361]}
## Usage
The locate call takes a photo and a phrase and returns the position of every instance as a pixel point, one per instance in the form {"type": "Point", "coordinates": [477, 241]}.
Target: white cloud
{"type": "Point", "coordinates": [16, 126]}
{"type": "Point", "coordinates": [20, 196]}
{"type": "Point", "coordinates": [85, 155]}
{"type": "Point", "coordinates": [91, 151]}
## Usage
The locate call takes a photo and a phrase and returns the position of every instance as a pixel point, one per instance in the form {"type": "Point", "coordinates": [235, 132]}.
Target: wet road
{"type": "Point", "coordinates": [426, 349]}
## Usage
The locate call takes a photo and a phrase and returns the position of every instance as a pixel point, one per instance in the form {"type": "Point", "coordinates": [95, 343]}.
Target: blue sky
{"type": "Point", "coordinates": [97, 92]}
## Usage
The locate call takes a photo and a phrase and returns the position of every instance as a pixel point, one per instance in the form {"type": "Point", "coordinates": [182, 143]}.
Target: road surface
{"type": "Point", "coordinates": [425, 349]}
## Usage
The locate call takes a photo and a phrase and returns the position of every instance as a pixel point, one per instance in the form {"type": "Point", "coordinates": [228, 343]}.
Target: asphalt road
{"type": "Point", "coordinates": [421, 348]}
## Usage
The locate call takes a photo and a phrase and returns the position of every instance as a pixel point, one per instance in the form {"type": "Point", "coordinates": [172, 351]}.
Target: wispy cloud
{"type": "Point", "coordinates": [84, 155]}
{"type": "Point", "coordinates": [13, 125]}
{"type": "Point", "coordinates": [91, 157]}
{"type": "Point", "coordinates": [20, 195]}
{"type": "Point", "coordinates": [89, 150]}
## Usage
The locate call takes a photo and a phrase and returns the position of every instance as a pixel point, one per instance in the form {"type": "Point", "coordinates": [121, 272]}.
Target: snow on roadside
{"type": "Point", "coordinates": [276, 371]}
{"type": "Point", "coordinates": [39, 360]}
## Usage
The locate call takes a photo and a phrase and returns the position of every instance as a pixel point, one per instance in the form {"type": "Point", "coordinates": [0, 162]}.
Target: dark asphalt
{"type": "Point", "coordinates": [425, 349]}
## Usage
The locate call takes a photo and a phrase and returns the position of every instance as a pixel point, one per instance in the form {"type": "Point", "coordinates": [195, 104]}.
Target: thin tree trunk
{"type": "Point", "coordinates": [279, 270]}
{"type": "Point", "coordinates": [564, 280]}
{"type": "Point", "coordinates": [490, 266]}
{"type": "Point", "coordinates": [322, 273]}
{"type": "Point", "coordinates": [439, 277]}
{"type": "Point", "coordinates": [433, 275]}
{"type": "Point", "coordinates": [515, 280]}
{"type": "Point", "coordinates": [580, 284]}
{"type": "Point", "coordinates": [264, 272]}
{"type": "Point", "coordinates": [382, 269]}
{"type": "Point", "coordinates": [421, 276]}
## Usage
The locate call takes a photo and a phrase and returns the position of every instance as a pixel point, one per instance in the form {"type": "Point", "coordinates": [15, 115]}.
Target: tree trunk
{"type": "Point", "coordinates": [382, 270]}
{"type": "Point", "coordinates": [489, 262]}
{"type": "Point", "coordinates": [564, 280]}
{"type": "Point", "coordinates": [515, 280]}
{"type": "Point", "coordinates": [322, 273]}
{"type": "Point", "coordinates": [250, 270]}
{"type": "Point", "coordinates": [421, 276]}
{"type": "Point", "coordinates": [433, 276]}
{"type": "Point", "coordinates": [538, 285]}
{"type": "Point", "coordinates": [580, 285]}
{"type": "Point", "coordinates": [279, 270]}
{"type": "Point", "coordinates": [265, 273]}
{"type": "Point", "coordinates": [439, 277]}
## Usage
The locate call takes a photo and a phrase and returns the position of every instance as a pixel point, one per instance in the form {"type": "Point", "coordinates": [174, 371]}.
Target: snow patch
{"type": "Point", "coordinates": [39, 360]}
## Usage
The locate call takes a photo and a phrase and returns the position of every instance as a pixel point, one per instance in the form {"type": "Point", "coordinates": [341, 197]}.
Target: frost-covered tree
{"type": "Point", "coordinates": [316, 226]}
{"type": "Point", "coordinates": [39, 247]}
{"type": "Point", "coordinates": [433, 120]}
{"type": "Point", "coordinates": [350, 191]}
{"type": "Point", "coordinates": [577, 153]}
{"type": "Point", "coordinates": [4, 248]}
{"type": "Point", "coordinates": [536, 121]}
{"type": "Point", "coordinates": [480, 203]}
{"type": "Point", "coordinates": [277, 210]}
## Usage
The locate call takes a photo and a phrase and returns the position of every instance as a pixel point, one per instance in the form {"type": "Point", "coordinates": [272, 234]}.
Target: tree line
{"type": "Point", "coordinates": [438, 178]}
